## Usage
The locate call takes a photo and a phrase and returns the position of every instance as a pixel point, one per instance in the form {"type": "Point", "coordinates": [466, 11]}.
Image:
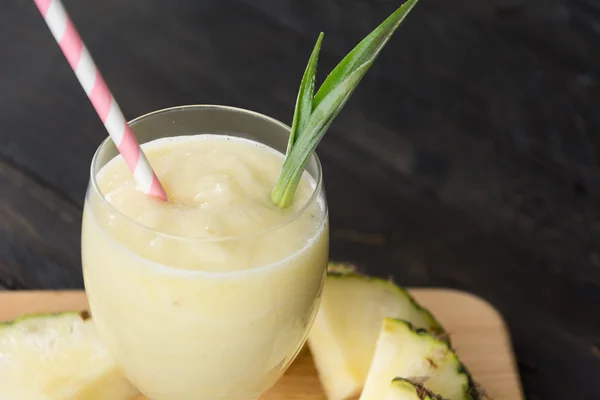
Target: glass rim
{"type": "Point", "coordinates": [318, 178]}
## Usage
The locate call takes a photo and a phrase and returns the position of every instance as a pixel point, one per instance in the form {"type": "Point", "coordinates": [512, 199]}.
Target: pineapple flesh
{"type": "Point", "coordinates": [409, 353]}
{"type": "Point", "coordinates": [58, 357]}
{"type": "Point", "coordinates": [343, 337]}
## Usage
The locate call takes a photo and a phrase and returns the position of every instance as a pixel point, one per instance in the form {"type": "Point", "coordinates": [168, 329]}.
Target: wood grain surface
{"type": "Point", "coordinates": [478, 334]}
{"type": "Point", "coordinates": [467, 157]}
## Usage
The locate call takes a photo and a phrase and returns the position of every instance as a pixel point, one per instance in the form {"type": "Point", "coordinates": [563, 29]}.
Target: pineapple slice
{"type": "Point", "coordinates": [343, 337]}
{"type": "Point", "coordinates": [403, 389]}
{"type": "Point", "coordinates": [58, 357]}
{"type": "Point", "coordinates": [409, 353]}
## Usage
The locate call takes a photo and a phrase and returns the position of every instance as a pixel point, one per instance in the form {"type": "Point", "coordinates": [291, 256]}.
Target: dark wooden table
{"type": "Point", "coordinates": [468, 157]}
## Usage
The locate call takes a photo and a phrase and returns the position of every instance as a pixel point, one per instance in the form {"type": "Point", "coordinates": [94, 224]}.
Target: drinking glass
{"type": "Point", "coordinates": [218, 331]}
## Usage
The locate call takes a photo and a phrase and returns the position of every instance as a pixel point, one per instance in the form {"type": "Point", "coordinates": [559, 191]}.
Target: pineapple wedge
{"type": "Point", "coordinates": [343, 337]}
{"type": "Point", "coordinates": [58, 357]}
{"type": "Point", "coordinates": [414, 354]}
{"type": "Point", "coordinates": [403, 389]}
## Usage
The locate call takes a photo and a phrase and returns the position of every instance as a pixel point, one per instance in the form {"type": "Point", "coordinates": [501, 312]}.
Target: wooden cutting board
{"type": "Point", "coordinates": [478, 334]}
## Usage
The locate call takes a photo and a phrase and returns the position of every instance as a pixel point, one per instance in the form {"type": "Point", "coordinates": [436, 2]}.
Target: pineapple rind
{"type": "Point", "coordinates": [404, 389]}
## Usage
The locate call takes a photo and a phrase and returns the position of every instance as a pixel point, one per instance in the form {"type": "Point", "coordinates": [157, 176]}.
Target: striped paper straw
{"type": "Point", "coordinates": [108, 110]}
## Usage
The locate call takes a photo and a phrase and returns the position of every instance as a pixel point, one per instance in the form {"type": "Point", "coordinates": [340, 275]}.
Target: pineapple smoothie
{"type": "Point", "coordinates": [211, 295]}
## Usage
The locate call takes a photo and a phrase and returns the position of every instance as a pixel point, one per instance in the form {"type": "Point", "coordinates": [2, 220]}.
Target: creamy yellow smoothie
{"type": "Point", "coordinates": [210, 295]}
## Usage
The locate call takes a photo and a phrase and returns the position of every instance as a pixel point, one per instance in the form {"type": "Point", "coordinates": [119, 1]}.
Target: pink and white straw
{"type": "Point", "coordinates": [107, 108]}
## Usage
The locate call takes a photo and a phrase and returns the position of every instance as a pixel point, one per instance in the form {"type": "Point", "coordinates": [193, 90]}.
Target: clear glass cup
{"type": "Point", "coordinates": [202, 334]}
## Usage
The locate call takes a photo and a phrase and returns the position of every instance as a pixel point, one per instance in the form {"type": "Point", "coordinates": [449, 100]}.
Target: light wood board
{"type": "Point", "coordinates": [478, 334]}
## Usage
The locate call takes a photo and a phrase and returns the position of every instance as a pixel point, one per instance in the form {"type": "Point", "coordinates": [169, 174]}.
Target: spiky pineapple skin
{"type": "Point", "coordinates": [83, 314]}
{"type": "Point", "coordinates": [404, 389]}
